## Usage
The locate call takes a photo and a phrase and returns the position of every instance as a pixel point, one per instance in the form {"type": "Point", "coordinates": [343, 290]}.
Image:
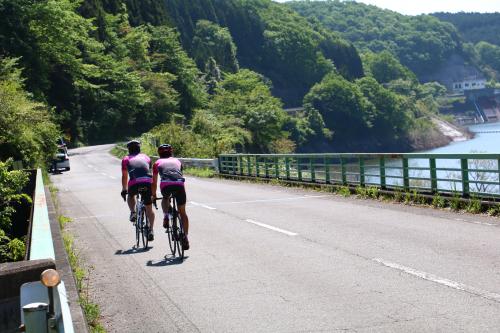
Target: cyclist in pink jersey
{"type": "Point", "coordinates": [135, 175]}
{"type": "Point", "coordinates": [171, 183]}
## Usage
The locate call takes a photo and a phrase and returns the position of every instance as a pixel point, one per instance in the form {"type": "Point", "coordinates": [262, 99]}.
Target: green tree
{"type": "Point", "coordinates": [11, 185]}
{"type": "Point", "coordinates": [384, 67]}
{"type": "Point", "coordinates": [244, 97]}
{"type": "Point", "coordinates": [342, 106]}
{"type": "Point", "coordinates": [27, 132]}
{"type": "Point", "coordinates": [211, 41]}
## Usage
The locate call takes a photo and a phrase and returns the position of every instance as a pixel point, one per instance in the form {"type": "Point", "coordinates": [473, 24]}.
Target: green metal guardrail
{"type": "Point", "coordinates": [467, 175]}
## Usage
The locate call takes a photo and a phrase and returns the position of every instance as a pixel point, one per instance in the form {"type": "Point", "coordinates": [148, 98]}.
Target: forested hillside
{"type": "Point", "coordinates": [422, 43]}
{"type": "Point", "coordinates": [482, 32]}
{"type": "Point", "coordinates": [211, 76]}
{"type": "Point", "coordinates": [475, 27]}
{"type": "Point", "coordinates": [270, 39]}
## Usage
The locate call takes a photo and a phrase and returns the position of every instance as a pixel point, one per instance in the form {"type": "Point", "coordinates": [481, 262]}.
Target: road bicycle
{"type": "Point", "coordinates": [142, 224]}
{"type": "Point", "coordinates": [175, 229]}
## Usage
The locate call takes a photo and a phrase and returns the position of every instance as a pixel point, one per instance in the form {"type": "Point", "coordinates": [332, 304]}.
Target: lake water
{"type": "Point", "coordinates": [482, 142]}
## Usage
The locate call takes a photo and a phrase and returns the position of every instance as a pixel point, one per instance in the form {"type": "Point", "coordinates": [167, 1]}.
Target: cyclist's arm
{"type": "Point", "coordinates": [124, 179]}
{"type": "Point", "coordinates": [155, 180]}
{"type": "Point", "coordinates": [153, 186]}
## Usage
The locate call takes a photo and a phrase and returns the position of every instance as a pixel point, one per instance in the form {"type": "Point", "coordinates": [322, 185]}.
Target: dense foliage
{"type": "Point", "coordinates": [475, 27]}
{"type": "Point", "coordinates": [272, 40]}
{"type": "Point", "coordinates": [11, 185]}
{"type": "Point", "coordinates": [27, 132]}
{"type": "Point", "coordinates": [421, 43]}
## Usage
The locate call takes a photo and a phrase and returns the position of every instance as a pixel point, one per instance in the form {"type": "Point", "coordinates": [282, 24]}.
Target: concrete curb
{"type": "Point", "coordinates": [64, 268]}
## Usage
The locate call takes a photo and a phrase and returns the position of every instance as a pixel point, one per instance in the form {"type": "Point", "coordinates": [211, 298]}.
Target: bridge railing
{"type": "Point", "coordinates": [467, 175]}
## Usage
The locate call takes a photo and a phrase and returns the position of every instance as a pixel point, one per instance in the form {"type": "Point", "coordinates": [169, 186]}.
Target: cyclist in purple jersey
{"type": "Point", "coordinates": [171, 183]}
{"type": "Point", "coordinates": [135, 175]}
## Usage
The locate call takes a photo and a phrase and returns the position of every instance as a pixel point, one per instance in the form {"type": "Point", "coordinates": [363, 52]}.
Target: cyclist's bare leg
{"type": "Point", "coordinates": [131, 202]}
{"type": "Point", "coordinates": [164, 205]}
{"type": "Point", "coordinates": [184, 217]}
{"type": "Point", "coordinates": [151, 215]}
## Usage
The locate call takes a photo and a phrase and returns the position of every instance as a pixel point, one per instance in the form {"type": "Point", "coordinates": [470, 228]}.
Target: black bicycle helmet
{"type": "Point", "coordinates": [165, 150]}
{"type": "Point", "coordinates": [133, 143]}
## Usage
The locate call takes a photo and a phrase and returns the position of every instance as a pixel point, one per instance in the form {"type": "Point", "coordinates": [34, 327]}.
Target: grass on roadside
{"type": "Point", "coordinates": [91, 310]}
{"type": "Point", "coordinates": [199, 172]}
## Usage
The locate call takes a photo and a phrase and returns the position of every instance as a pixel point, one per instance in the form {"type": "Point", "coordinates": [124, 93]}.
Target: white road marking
{"type": "Point", "coordinates": [92, 217]}
{"type": "Point", "coordinates": [202, 205]}
{"type": "Point", "coordinates": [112, 177]}
{"type": "Point", "coordinates": [436, 279]}
{"type": "Point", "coordinates": [104, 174]}
{"type": "Point", "coordinates": [286, 232]}
{"type": "Point", "coordinates": [90, 165]}
{"type": "Point", "coordinates": [474, 222]}
{"type": "Point", "coordinates": [270, 200]}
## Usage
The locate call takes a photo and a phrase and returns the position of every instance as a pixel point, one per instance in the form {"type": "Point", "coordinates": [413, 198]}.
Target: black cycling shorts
{"type": "Point", "coordinates": [177, 191]}
{"type": "Point", "coordinates": [146, 195]}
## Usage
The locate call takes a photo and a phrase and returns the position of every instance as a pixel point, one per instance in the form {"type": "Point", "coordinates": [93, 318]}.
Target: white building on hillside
{"type": "Point", "coordinates": [470, 83]}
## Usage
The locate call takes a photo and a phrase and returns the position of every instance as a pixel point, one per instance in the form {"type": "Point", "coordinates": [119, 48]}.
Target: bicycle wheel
{"type": "Point", "coordinates": [180, 232]}
{"type": "Point", "coordinates": [137, 223]}
{"type": "Point", "coordinates": [145, 232]}
{"type": "Point", "coordinates": [137, 230]}
{"type": "Point", "coordinates": [170, 234]}
{"type": "Point", "coordinates": [142, 228]}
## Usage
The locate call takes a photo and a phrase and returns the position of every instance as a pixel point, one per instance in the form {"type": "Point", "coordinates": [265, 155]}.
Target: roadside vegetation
{"type": "Point", "coordinates": [11, 187]}
{"type": "Point", "coordinates": [82, 276]}
{"type": "Point", "coordinates": [81, 272]}
{"type": "Point", "coordinates": [453, 202]}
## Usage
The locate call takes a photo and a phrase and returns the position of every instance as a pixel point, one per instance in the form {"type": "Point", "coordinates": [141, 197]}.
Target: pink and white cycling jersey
{"type": "Point", "coordinates": [170, 171]}
{"type": "Point", "coordinates": [138, 169]}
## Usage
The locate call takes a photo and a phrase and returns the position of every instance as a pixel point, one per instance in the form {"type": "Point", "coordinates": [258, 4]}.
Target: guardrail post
{"type": "Point", "coordinates": [234, 164]}
{"type": "Point", "coordinates": [432, 166]}
{"type": "Point", "coordinates": [240, 165]}
{"type": "Point", "coordinates": [257, 167]}
{"type": "Point", "coordinates": [361, 171]}
{"type": "Point", "coordinates": [406, 179]}
{"type": "Point", "coordinates": [327, 170]}
{"type": "Point", "coordinates": [219, 163]}
{"type": "Point", "coordinates": [382, 172]}
{"type": "Point", "coordinates": [498, 167]}
{"type": "Point", "coordinates": [276, 167]}
{"type": "Point", "coordinates": [287, 167]}
{"type": "Point", "coordinates": [465, 177]}
{"type": "Point", "coordinates": [299, 170]}
{"type": "Point", "coordinates": [343, 171]}
{"type": "Point", "coordinates": [313, 171]}
{"type": "Point", "coordinates": [249, 166]}
{"type": "Point", "coordinates": [266, 167]}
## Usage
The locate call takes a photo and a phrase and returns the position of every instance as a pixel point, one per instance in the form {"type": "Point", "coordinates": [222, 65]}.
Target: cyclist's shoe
{"type": "Point", "coordinates": [185, 242]}
{"type": "Point", "coordinates": [133, 217]}
{"type": "Point", "coordinates": [151, 236]}
{"type": "Point", "coordinates": [165, 221]}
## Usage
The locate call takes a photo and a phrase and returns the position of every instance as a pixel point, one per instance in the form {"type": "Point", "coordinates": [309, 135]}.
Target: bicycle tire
{"type": "Point", "coordinates": [171, 242]}
{"type": "Point", "coordinates": [180, 238]}
{"type": "Point", "coordinates": [143, 223]}
{"type": "Point", "coordinates": [145, 232]}
{"type": "Point", "coordinates": [137, 232]}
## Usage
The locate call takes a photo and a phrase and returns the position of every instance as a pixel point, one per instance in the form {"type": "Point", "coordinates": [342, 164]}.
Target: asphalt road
{"type": "Point", "coordinates": [271, 259]}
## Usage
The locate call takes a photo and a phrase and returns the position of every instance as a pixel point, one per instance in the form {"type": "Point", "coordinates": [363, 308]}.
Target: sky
{"type": "Point", "coordinates": [415, 7]}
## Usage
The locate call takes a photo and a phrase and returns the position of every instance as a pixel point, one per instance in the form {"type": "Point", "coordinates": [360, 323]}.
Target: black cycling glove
{"type": "Point", "coordinates": [124, 194]}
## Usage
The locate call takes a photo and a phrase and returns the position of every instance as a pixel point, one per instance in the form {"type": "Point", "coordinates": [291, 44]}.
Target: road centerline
{"type": "Point", "coordinates": [267, 226]}
{"type": "Point", "coordinates": [202, 205]}
{"type": "Point", "coordinates": [440, 280]}
{"type": "Point", "coordinates": [270, 200]}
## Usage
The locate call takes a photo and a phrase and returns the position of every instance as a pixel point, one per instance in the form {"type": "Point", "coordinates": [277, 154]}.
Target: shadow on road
{"type": "Point", "coordinates": [133, 250]}
{"type": "Point", "coordinates": [167, 261]}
